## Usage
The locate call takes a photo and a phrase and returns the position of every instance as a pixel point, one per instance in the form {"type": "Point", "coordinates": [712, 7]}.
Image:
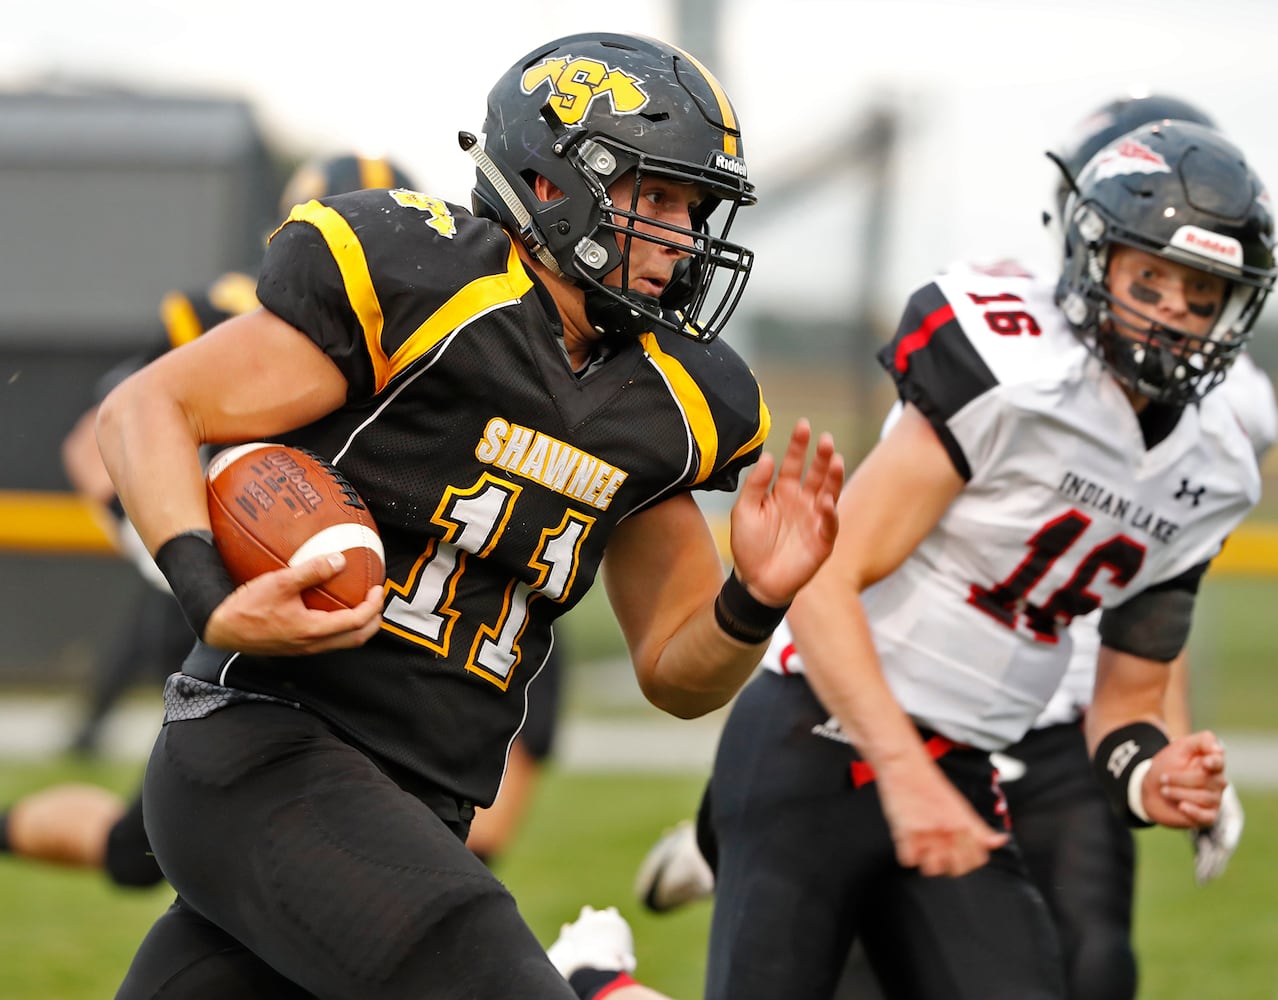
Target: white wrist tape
{"type": "Point", "coordinates": [1134, 782]}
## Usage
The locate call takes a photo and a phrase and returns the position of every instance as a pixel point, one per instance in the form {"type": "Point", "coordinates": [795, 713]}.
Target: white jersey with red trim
{"type": "Point", "coordinates": [1250, 395]}
{"type": "Point", "coordinates": [1065, 510]}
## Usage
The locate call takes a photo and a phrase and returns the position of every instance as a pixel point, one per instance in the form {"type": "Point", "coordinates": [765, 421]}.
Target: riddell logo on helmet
{"type": "Point", "coordinates": [1205, 243]}
{"type": "Point", "coordinates": [575, 84]}
{"type": "Point", "coordinates": [1129, 157]}
{"type": "Point", "coordinates": [729, 163]}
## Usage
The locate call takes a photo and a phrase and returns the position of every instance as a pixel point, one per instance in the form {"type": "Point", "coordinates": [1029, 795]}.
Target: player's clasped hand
{"type": "Point", "coordinates": [1184, 785]}
{"type": "Point", "coordinates": [781, 535]}
{"type": "Point", "coordinates": [266, 615]}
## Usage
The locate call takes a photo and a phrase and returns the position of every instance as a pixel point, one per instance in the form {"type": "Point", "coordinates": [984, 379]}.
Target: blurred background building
{"type": "Point", "coordinates": [142, 147]}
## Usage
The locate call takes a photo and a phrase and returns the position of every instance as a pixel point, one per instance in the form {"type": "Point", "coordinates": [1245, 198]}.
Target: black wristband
{"type": "Point", "coordinates": [744, 618]}
{"type": "Point", "coordinates": [589, 983]}
{"type": "Point", "coordinates": [196, 574]}
{"type": "Point", "coordinates": [1121, 762]}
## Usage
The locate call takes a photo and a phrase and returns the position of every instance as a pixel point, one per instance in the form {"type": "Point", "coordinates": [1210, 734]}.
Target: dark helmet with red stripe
{"type": "Point", "coordinates": [585, 111]}
{"type": "Point", "coordinates": [1184, 193]}
{"type": "Point", "coordinates": [319, 178]}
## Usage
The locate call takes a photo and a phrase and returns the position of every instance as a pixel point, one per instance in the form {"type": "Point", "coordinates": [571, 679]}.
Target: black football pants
{"type": "Point", "coordinates": [1080, 855]}
{"type": "Point", "coordinates": [302, 870]}
{"type": "Point", "coordinates": [806, 866]}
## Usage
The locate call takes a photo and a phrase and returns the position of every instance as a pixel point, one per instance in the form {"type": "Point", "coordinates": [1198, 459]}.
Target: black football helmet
{"type": "Point", "coordinates": [1183, 192]}
{"type": "Point", "coordinates": [586, 110]}
{"type": "Point", "coordinates": [339, 175]}
{"type": "Point", "coordinates": [1107, 123]}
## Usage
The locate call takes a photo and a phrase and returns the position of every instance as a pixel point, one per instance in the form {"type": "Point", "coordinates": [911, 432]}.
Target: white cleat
{"type": "Point", "coordinates": [597, 939]}
{"type": "Point", "coordinates": [674, 872]}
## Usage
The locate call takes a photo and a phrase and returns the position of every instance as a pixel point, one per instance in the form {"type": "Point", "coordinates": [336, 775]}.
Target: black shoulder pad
{"type": "Point", "coordinates": [935, 366]}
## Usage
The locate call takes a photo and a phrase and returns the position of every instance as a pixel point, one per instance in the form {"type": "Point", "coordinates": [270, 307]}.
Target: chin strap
{"type": "Point", "coordinates": [527, 231]}
{"type": "Point", "coordinates": [614, 317]}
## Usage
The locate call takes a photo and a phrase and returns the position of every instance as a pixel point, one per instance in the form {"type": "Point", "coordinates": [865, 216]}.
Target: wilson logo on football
{"type": "Point", "coordinates": [575, 84]}
{"type": "Point", "coordinates": [1130, 157]}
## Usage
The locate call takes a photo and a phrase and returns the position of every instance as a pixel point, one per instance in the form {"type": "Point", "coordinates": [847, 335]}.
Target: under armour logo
{"type": "Point", "coordinates": [1186, 493]}
{"type": "Point", "coordinates": [831, 730]}
{"type": "Point", "coordinates": [1121, 756]}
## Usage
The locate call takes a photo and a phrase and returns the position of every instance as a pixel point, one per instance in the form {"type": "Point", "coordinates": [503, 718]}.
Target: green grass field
{"type": "Point", "coordinates": [69, 935]}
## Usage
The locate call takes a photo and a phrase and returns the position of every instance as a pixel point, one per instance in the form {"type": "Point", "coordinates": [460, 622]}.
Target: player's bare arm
{"type": "Point", "coordinates": [83, 463]}
{"type": "Point", "coordinates": [663, 574]}
{"type": "Point", "coordinates": [224, 387]}
{"type": "Point", "coordinates": [1183, 784]}
{"type": "Point", "coordinates": [892, 501]}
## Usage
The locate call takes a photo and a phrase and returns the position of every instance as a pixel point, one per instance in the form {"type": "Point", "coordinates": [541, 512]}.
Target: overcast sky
{"type": "Point", "coordinates": [982, 87]}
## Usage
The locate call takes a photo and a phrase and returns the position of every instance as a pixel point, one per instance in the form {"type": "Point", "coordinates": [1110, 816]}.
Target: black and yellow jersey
{"type": "Point", "coordinates": [495, 474]}
{"type": "Point", "coordinates": [184, 316]}
{"type": "Point", "coordinates": [188, 315]}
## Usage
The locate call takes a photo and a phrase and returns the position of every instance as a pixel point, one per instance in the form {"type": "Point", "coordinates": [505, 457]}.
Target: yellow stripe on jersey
{"type": "Point", "coordinates": [375, 173]}
{"type": "Point", "coordinates": [725, 107]}
{"type": "Point", "coordinates": [761, 435]}
{"type": "Point", "coordinates": [179, 319]}
{"type": "Point", "coordinates": [692, 400]}
{"type": "Point", "coordinates": [348, 254]}
{"type": "Point", "coordinates": [475, 298]}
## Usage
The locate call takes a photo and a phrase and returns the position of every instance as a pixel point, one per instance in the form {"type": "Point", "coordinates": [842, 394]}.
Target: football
{"type": "Point", "coordinates": [272, 506]}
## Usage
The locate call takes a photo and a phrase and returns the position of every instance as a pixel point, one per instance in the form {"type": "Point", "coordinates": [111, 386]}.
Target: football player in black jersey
{"type": "Point", "coordinates": [523, 395]}
{"type": "Point", "coordinates": [83, 825]}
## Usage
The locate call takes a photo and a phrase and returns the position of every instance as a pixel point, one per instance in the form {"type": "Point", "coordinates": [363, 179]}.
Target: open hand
{"type": "Point", "coordinates": [783, 531]}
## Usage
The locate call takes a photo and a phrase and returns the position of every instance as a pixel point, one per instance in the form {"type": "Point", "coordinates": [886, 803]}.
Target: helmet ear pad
{"type": "Point", "coordinates": [617, 312]}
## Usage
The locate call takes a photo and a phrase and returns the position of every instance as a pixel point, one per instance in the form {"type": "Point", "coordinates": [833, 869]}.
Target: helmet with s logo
{"type": "Point", "coordinates": [1184, 193]}
{"type": "Point", "coordinates": [587, 110]}
{"type": "Point", "coordinates": [340, 174]}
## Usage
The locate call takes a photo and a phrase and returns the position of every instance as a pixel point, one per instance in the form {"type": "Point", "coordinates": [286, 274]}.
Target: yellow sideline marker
{"type": "Point", "coordinates": [50, 522]}
{"type": "Point", "coordinates": [62, 523]}
{"type": "Point", "coordinates": [1252, 550]}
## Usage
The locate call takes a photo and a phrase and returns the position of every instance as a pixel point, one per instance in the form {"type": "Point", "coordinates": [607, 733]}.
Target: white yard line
{"type": "Point", "coordinates": [34, 727]}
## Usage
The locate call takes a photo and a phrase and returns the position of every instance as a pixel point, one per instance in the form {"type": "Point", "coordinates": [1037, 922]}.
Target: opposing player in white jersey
{"type": "Point", "coordinates": [1078, 850]}
{"type": "Point", "coordinates": [1080, 855]}
{"type": "Point", "coordinates": [1059, 452]}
